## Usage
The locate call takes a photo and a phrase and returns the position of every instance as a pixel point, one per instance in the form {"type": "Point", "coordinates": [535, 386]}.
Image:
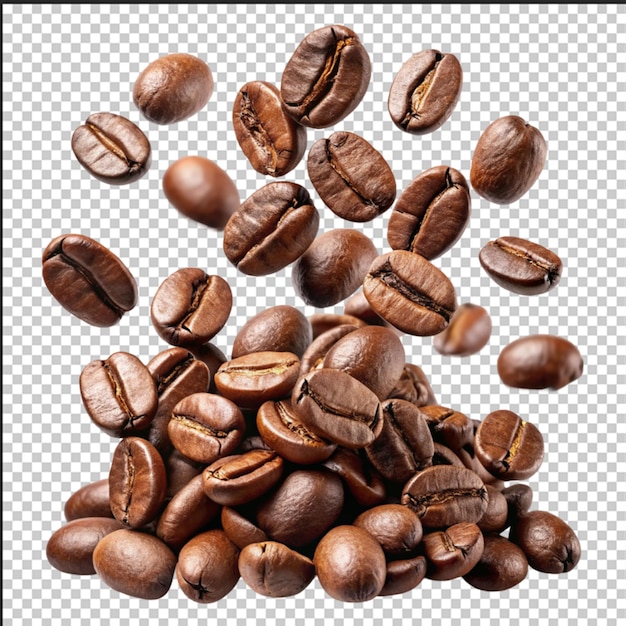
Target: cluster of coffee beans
{"type": "Point", "coordinates": [317, 449]}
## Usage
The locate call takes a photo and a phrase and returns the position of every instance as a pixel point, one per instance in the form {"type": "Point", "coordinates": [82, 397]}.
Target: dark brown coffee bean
{"type": "Point", "coordinates": [508, 446]}
{"type": "Point", "coordinates": [180, 470]}
{"type": "Point", "coordinates": [119, 394]}
{"type": "Point", "coordinates": [91, 500]}
{"type": "Point", "coordinates": [205, 426]}
{"type": "Point", "coordinates": [467, 455]}
{"type": "Point", "coordinates": [314, 355]}
{"type": "Point", "coordinates": [453, 552]}
{"type": "Point", "coordinates": [137, 482]}
{"type": "Point", "coordinates": [431, 214]}
{"type": "Point", "coordinates": [88, 280]}
{"type": "Point", "coordinates": [201, 190]}
{"type": "Point", "coordinates": [173, 88]}
{"type": "Point", "coordinates": [333, 267]}
{"type": "Point", "coordinates": [271, 229]}
{"type": "Point", "coordinates": [241, 478]}
{"type": "Point", "coordinates": [495, 517]}
{"type": "Point", "coordinates": [444, 456]}
{"type": "Point", "coordinates": [190, 307]}
{"type": "Point", "coordinates": [322, 322]}
{"type": "Point", "coordinates": [444, 495]}
{"type": "Point", "coordinates": [414, 387]}
{"type": "Point", "coordinates": [212, 357]}
{"type": "Point", "coordinates": [425, 91]}
{"type": "Point", "coordinates": [337, 407]}
{"type": "Point", "coordinates": [508, 159]}
{"type": "Point", "coordinates": [449, 427]}
{"type": "Point", "coordinates": [70, 548]}
{"type": "Point", "coordinates": [404, 575]}
{"type": "Point", "coordinates": [502, 566]}
{"type": "Point", "coordinates": [326, 77]}
{"type": "Point", "coordinates": [240, 530]}
{"type": "Point", "coordinates": [207, 567]}
{"type": "Point", "coordinates": [112, 149]}
{"type": "Point", "coordinates": [135, 563]}
{"type": "Point", "coordinates": [540, 362]}
{"type": "Point", "coordinates": [467, 333]}
{"type": "Point", "coordinates": [272, 569]}
{"type": "Point", "coordinates": [273, 142]}
{"type": "Point", "coordinates": [519, 499]}
{"type": "Point", "coordinates": [351, 177]}
{"type": "Point", "coordinates": [410, 293]}
{"type": "Point", "coordinates": [350, 564]}
{"type": "Point", "coordinates": [405, 445]}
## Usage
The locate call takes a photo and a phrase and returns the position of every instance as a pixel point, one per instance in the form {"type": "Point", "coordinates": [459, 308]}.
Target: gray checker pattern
{"type": "Point", "coordinates": [561, 67]}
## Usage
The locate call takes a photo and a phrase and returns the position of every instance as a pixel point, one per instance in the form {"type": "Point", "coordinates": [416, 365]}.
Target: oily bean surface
{"type": "Point", "coordinates": [467, 333]}
{"type": "Point", "coordinates": [453, 552]}
{"type": "Point", "coordinates": [91, 500]}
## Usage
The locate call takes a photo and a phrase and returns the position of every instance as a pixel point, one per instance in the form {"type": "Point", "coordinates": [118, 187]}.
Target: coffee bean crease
{"type": "Point", "coordinates": [419, 90]}
{"type": "Point", "coordinates": [553, 272]}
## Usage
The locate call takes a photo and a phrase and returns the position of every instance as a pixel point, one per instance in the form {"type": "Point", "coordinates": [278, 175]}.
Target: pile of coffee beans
{"type": "Point", "coordinates": [316, 448]}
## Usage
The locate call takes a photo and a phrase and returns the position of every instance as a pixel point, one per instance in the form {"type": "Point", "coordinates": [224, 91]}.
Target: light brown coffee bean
{"type": "Point", "coordinates": [467, 333]}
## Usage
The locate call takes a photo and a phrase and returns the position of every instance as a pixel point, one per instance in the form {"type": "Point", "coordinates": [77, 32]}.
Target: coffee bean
{"type": "Point", "coordinates": [201, 190]}
{"type": "Point", "coordinates": [425, 91]}
{"type": "Point", "coordinates": [112, 149]}
{"type": "Point", "coordinates": [321, 322]}
{"type": "Point", "coordinates": [271, 229]}
{"type": "Point", "coordinates": [91, 500]}
{"type": "Point", "coordinates": [521, 266]}
{"type": "Point", "coordinates": [119, 394]}
{"type": "Point", "coordinates": [453, 552]}
{"type": "Point", "coordinates": [444, 456]}
{"type": "Point", "coordinates": [240, 530]}
{"type": "Point", "coordinates": [314, 355]}
{"type": "Point", "coordinates": [431, 214]}
{"type": "Point", "coordinates": [351, 176]}
{"type": "Point", "coordinates": [410, 293]}
{"type": "Point", "coordinates": [358, 306]}
{"type": "Point", "coordinates": [449, 427]}
{"type": "Point", "coordinates": [508, 159]}
{"type": "Point", "coordinates": [414, 387]}
{"type": "Point", "coordinates": [333, 267]}
{"type": "Point", "coordinates": [271, 140]}
{"type": "Point", "coordinates": [404, 575]}
{"type": "Point", "coordinates": [540, 362]}
{"type": "Point", "coordinates": [326, 77]}
{"type": "Point", "coordinates": [88, 280]}
{"type": "Point", "coordinates": [467, 333]}
{"type": "Point", "coordinates": [469, 459]}
{"type": "Point", "coordinates": [519, 499]}
{"type": "Point", "coordinates": [190, 307]}
{"type": "Point", "coordinates": [212, 357]}
{"type": "Point", "coordinates": [173, 88]}
{"type": "Point", "coordinates": [495, 517]}
{"type": "Point", "coordinates": [180, 470]}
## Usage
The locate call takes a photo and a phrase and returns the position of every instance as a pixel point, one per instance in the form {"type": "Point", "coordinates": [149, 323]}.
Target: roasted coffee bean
{"type": "Point", "coordinates": [207, 567]}
{"type": "Point", "coordinates": [137, 482]}
{"type": "Point", "coordinates": [333, 267]}
{"type": "Point", "coordinates": [404, 575]}
{"type": "Point", "coordinates": [449, 427]}
{"type": "Point", "coordinates": [173, 88]}
{"type": "Point", "coordinates": [241, 478]}
{"type": "Point", "coordinates": [212, 357]}
{"type": "Point", "coordinates": [351, 177]}
{"type": "Point", "coordinates": [240, 530]}
{"type": "Point", "coordinates": [414, 387]}
{"type": "Point", "coordinates": [271, 229]}
{"type": "Point", "coordinates": [88, 280]}
{"type": "Point", "coordinates": [272, 569]}
{"type": "Point", "coordinates": [508, 446]}
{"type": "Point", "coordinates": [280, 328]}
{"type": "Point", "coordinates": [508, 159]}
{"type": "Point", "coordinates": [521, 266]}
{"type": "Point", "coordinates": [549, 543]}
{"type": "Point", "coordinates": [444, 495]}
{"type": "Point", "coordinates": [190, 307]}
{"type": "Point", "coordinates": [304, 506]}
{"type": "Point", "coordinates": [314, 355]}
{"type": "Point", "coordinates": [272, 141]}
{"type": "Point", "coordinates": [205, 426]}
{"type": "Point", "coordinates": [453, 552]}
{"type": "Point", "coordinates": [70, 548]}
{"type": "Point", "coordinates": [410, 293]}
{"type": "Point", "coordinates": [119, 394]}
{"type": "Point", "coordinates": [91, 500]}
{"type": "Point", "coordinates": [444, 456]}
{"type": "Point", "coordinates": [405, 445]}
{"type": "Point", "coordinates": [540, 362]}
{"type": "Point", "coordinates": [425, 91]}
{"type": "Point", "coordinates": [135, 563]}
{"type": "Point", "coordinates": [112, 149]}
{"type": "Point", "coordinates": [322, 322]}
{"type": "Point", "coordinates": [180, 470]}
{"type": "Point", "coordinates": [431, 214]}
{"type": "Point", "coordinates": [358, 306]}
{"type": "Point", "coordinates": [201, 190]}
{"type": "Point", "coordinates": [467, 455]}
{"type": "Point", "coordinates": [495, 517]}
{"type": "Point", "coordinates": [519, 499]}
{"type": "Point", "coordinates": [502, 565]}
{"type": "Point", "coordinates": [469, 332]}
{"type": "Point", "coordinates": [350, 564]}
{"type": "Point", "coordinates": [337, 407]}
{"type": "Point", "coordinates": [326, 77]}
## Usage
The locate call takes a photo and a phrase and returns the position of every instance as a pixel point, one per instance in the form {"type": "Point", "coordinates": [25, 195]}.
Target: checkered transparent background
{"type": "Point", "coordinates": [555, 65]}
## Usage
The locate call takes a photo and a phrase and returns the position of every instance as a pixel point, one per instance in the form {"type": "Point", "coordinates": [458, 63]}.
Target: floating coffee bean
{"type": "Point", "coordinates": [404, 575]}
{"type": "Point", "coordinates": [351, 176]}
{"type": "Point", "coordinates": [326, 77]}
{"type": "Point", "coordinates": [495, 517]}
{"type": "Point", "coordinates": [540, 362]}
{"type": "Point", "coordinates": [358, 306]}
{"type": "Point", "coordinates": [425, 91]}
{"type": "Point", "coordinates": [190, 307]}
{"type": "Point", "coordinates": [519, 499]}
{"type": "Point", "coordinates": [273, 142]}
{"type": "Point", "coordinates": [271, 229]}
{"type": "Point", "coordinates": [508, 159]}
{"type": "Point", "coordinates": [453, 552]}
{"type": "Point", "coordinates": [469, 332]}
{"type": "Point", "coordinates": [414, 387]}
{"type": "Point", "coordinates": [240, 530]}
{"type": "Point", "coordinates": [88, 280]}
{"type": "Point", "coordinates": [521, 266]}
{"type": "Point", "coordinates": [431, 214]}
{"type": "Point", "coordinates": [91, 500]}
{"type": "Point", "coordinates": [112, 149]}
{"type": "Point", "coordinates": [173, 88]}
{"type": "Point", "coordinates": [321, 322]}
{"type": "Point", "coordinates": [119, 394]}
{"type": "Point", "coordinates": [410, 293]}
{"type": "Point", "coordinates": [314, 355]}
{"type": "Point", "coordinates": [449, 427]}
